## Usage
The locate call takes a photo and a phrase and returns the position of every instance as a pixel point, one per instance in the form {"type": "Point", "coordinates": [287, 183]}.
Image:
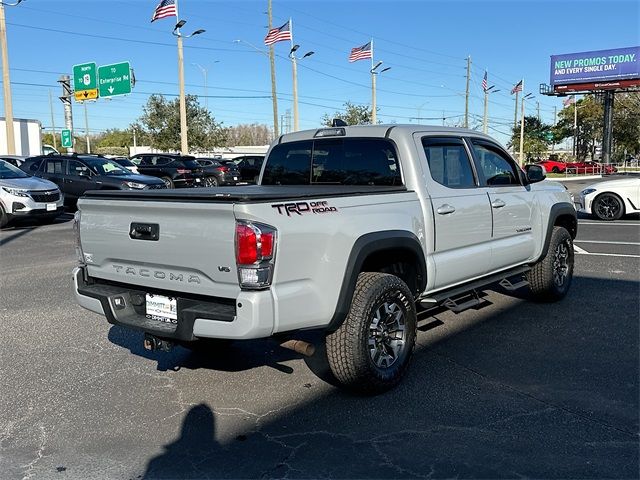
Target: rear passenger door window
{"type": "Point", "coordinates": [449, 163]}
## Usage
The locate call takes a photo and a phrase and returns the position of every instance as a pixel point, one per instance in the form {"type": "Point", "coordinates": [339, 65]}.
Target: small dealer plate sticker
{"type": "Point", "coordinates": [161, 308]}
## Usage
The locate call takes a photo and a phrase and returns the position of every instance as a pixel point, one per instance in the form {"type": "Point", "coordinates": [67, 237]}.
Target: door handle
{"type": "Point", "coordinates": [497, 204]}
{"type": "Point", "coordinates": [445, 209]}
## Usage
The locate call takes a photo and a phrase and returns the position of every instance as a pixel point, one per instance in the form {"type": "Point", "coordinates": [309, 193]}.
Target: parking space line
{"type": "Point", "coordinates": [609, 223]}
{"type": "Point", "coordinates": [579, 250]}
{"type": "Point", "coordinates": [607, 242]}
{"type": "Point", "coordinates": [608, 254]}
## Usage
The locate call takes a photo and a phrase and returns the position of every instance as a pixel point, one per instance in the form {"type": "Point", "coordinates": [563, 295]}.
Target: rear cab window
{"type": "Point", "coordinates": [333, 161]}
{"type": "Point", "coordinates": [449, 163]}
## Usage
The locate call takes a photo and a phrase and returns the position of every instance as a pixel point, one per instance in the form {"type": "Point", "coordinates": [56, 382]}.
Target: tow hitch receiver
{"type": "Point", "coordinates": [154, 343]}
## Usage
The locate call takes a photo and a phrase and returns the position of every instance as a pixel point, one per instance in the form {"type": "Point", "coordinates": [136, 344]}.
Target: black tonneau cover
{"type": "Point", "coordinates": [245, 194]}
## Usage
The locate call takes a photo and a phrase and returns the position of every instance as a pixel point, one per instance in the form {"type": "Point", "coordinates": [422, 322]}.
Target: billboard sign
{"type": "Point", "coordinates": [596, 66]}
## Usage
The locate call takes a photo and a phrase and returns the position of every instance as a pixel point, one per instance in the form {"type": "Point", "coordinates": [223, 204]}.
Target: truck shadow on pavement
{"type": "Point", "coordinates": [533, 390]}
{"type": "Point", "coordinates": [235, 357]}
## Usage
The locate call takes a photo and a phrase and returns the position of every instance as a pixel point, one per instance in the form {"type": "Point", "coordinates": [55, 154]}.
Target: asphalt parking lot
{"type": "Point", "coordinates": [513, 389]}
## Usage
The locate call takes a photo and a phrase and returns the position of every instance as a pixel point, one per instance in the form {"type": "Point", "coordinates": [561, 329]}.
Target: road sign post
{"type": "Point", "coordinates": [66, 138]}
{"type": "Point", "coordinates": [85, 81]}
{"type": "Point", "coordinates": [114, 79]}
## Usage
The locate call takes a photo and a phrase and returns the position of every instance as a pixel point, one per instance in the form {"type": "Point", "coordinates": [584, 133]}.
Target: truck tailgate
{"type": "Point", "coordinates": [194, 251]}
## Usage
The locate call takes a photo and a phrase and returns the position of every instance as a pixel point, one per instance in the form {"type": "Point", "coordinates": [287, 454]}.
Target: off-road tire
{"type": "Point", "coordinates": [167, 181]}
{"type": "Point", "coordinates": [349, 351]}
{"type": "Point", "coordinates": [608, 207]}
{"type": "Point", "coordinates": [550, 278]}
{"type": "Point", "coordinates": [555, 170]}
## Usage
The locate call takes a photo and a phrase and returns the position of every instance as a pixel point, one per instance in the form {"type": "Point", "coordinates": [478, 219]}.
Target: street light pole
{"type": "Point", "coordinates": [524, 97]}
{"type": "Point", "coordinates": [184, 141]}
{"type": "Point", "coordinates": [6, 81]}
{"type": "Point", "coordinates": [485, 117]}
{"type": "Point", "coordinates": [374, 118]}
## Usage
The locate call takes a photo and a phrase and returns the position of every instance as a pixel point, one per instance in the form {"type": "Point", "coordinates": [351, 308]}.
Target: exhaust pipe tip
{"type": "Point", "coordinates": [300, 346]}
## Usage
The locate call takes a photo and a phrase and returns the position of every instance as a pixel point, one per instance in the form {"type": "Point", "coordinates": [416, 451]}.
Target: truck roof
{"type": "Point", "coordinates": [381, 131]}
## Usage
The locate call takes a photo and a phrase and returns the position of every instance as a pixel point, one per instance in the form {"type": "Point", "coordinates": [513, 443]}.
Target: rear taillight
{"type": "Point", "coordinates": [255, 254]}
{"type": "Point", "coordinates": [223, 169]}
{"type": "Point", "coordinates": [182, 171]}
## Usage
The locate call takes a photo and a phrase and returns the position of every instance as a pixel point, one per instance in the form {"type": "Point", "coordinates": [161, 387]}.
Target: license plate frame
{"type": "Point", "coordinates": [161, 308]}
{"type": "Point", "coordinates": [51, 207]}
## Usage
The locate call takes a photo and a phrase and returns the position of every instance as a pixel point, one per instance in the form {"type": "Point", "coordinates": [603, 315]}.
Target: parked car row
{"type": "Point", "coordinates": [578, 168]}
{"type": "Point", "coordinates": [43, 184]}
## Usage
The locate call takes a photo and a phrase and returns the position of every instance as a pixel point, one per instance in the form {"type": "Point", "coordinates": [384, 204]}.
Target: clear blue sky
{"type": "Point", "coordinates": [424, 42]}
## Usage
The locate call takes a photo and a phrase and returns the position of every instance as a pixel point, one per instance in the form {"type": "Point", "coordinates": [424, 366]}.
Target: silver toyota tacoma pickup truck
{"type": "Point", "coordinates": [351, 232]}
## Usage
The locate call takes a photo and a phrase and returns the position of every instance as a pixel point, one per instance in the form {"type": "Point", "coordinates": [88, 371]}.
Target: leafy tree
{"type": "Point", "coordinates": [536, 138]}
{"type": "Point", "coordinates": [253, 134]}
{"type": "Point", "coordinates": [590, 125]}
{"type": "Point", "coordinates": [626, 125]}
{"type": "Point", "coordinates": [161, 122]}
{"type": "Point", "coordinates": [115, 137]}
{"type": "Point", "coordinates": [352, 114]}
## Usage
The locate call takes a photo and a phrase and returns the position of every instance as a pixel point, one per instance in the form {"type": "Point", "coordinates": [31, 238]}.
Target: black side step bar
{"type": "Point", "coordinates": [444, 295]}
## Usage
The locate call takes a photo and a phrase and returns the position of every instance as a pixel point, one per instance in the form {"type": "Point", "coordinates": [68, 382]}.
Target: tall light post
{"type": "Point", "coordinates": [485, 117]}
{"type": "Point", "coordinates": [184, 143]}
{"type": "Point", "coordinates": [205, 72]}
{"type": "Point", "coordinates": [6, 81]}
{"type": "Point", "coordinates": [528, 96]}
{"type": "Point", "coordinates": [374, 72]}
{"type": "Point", "coordinates": [294, 68]}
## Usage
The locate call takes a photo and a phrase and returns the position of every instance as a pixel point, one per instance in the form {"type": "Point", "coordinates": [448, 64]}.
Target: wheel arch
{"type": "Point", "coordinates": [397, 252]}
{"type": "Point", "coordinates": [560, 215]}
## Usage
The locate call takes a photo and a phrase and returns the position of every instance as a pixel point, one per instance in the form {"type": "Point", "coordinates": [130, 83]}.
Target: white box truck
{"type": "Point", "coordinates": [27, 136]}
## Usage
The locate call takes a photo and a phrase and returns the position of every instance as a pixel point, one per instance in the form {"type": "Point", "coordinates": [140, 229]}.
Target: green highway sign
{"type": "Point", "coordinates": [114, 79]}
{"type": "Point", "coordinates": [66, 138]}
{"type": "Point", "coordinates": [85, 77]}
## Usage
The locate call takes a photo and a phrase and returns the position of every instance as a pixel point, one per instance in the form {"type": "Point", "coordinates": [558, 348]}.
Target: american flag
{"type": "Point", "coordinates": [360, 53]}
{"type": "Point", "coordinates": [484, 81]}
{"type": "Point", "coordinates": [569, 101]}
{"type": "Point", "coordinates": [278, 34]}
{"type": "Point", "coordinates": [517, 88]}
{"type": "Point", "coordinates": [166, 8]}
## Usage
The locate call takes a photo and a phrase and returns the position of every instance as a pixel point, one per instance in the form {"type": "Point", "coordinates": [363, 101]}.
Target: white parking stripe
{"type": "Point", "coordinates": [608, 254]}
{"type": "Point", "coordinates": [627, 224]}
{"type": "Point", "coordinates": [577, 249]}
{"type": "Point", "coordinates": [606, 242]}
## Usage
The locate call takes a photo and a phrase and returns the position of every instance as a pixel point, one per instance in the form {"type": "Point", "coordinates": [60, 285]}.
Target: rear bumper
{"type": "Point", "coordinates": [248, 316]}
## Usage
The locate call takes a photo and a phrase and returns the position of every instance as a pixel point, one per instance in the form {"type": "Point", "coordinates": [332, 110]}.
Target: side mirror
{"type": "Point", "coordinates": [535, 173]}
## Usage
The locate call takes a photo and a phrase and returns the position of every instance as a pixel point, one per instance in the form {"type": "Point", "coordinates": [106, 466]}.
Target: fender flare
{"type": "Point", "coordinates": [365, 246]}
{"type": "Point", "coordinates": [556, 211]}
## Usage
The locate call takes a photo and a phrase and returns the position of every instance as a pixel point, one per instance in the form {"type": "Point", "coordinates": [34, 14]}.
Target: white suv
{"type": "Point", "coordinates": [24, 196]}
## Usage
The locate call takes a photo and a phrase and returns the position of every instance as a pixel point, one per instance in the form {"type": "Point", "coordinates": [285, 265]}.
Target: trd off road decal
{"type": "Point", "coordinates": [300, 208]}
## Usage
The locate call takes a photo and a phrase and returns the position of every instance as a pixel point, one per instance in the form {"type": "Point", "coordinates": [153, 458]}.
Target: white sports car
{"type": "Point", "coordinates": [611, 199]}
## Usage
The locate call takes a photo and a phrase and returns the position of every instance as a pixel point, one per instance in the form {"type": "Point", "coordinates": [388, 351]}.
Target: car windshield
{"type": "Point", "coordinates": [104, 166]}
{"type": "Point", "coordinates": [8, 171]}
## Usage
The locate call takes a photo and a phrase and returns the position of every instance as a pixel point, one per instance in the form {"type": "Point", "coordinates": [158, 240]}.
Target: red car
{"type": "Point", "coordinates": [596, 168]}
{"type": "Point", "coordinates": [553, 166]}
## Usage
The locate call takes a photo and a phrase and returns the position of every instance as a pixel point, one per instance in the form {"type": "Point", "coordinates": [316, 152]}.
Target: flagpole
{"type": "Point", "coordinates": [272, 63]}
{"type": "Point", "coordinates": [522, 127]}
{"type": "Point", "coordinates": [374, 119]}
{"type": "Point", "coordinates": [575, 127]}
{"type": "Point", "coordinates": [184, 141]}
{"type": "Point", "coordinates": [294, 68]}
